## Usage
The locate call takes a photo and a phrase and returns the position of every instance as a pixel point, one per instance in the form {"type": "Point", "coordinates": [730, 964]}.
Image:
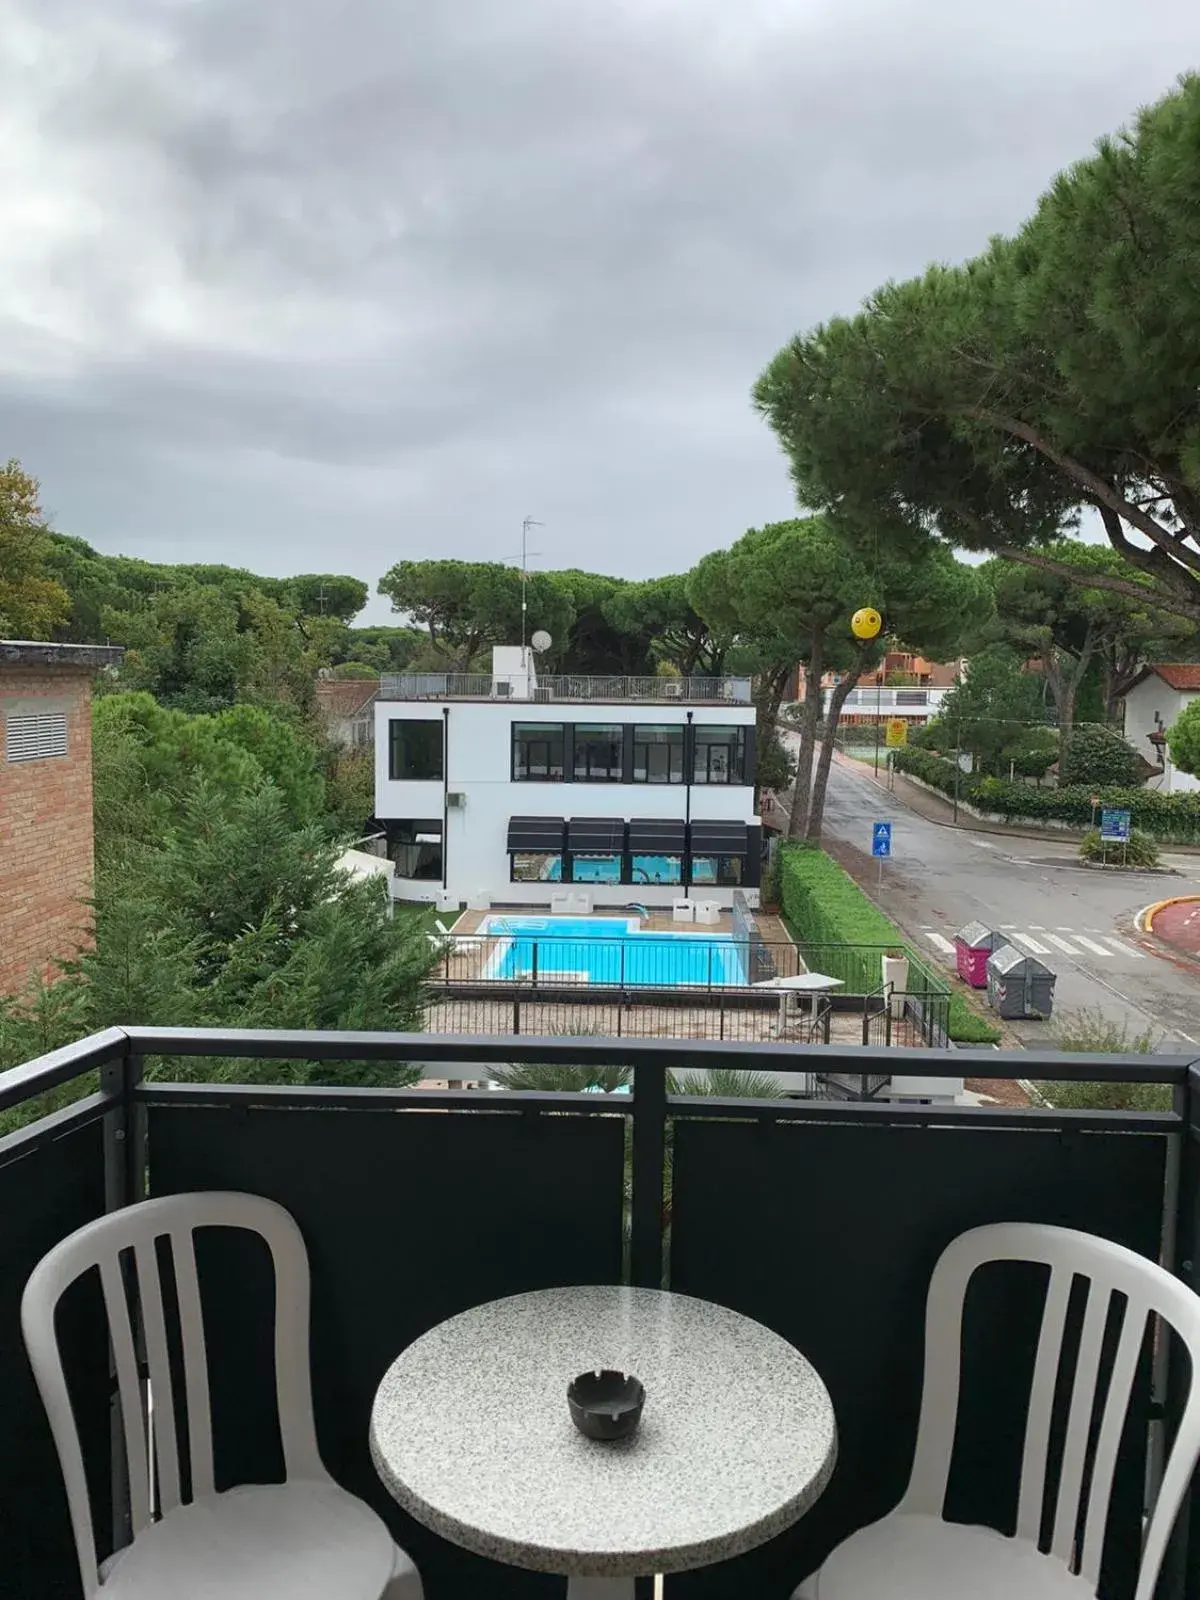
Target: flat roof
{"type": "Point", "coordinates": [41, 653]}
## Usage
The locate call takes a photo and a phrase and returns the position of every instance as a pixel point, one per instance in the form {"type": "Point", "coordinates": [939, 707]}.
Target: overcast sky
{"type": "Point", "coordinates": [321, 284]}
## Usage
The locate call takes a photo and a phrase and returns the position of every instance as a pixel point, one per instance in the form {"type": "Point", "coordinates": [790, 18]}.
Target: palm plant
{"type": "Point", "coordinates": [728, 1083]}
{"type": "Point", "coordinates": [555, 1078]}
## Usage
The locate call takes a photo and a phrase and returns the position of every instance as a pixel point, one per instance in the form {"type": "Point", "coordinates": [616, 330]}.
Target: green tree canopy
{"type": "Point", "coordinates": [660, 610]}
{"type": "Point", "coordinates": [1068, 626]}
{"type": "Point", "coordinates": [163, 752]}
{"type": "Point", "coordinates": [992, 708]}
{"type": "Point", "coordinates": [467, 606]}
{"type": "Point", "coordinates": [986, 404]}
{"type": "Point", "coordinates": [1183, 739]}
{"type": "Point", "coordinates": [788, 592]}
{"type": "Point", "coordinates": [32, 602]}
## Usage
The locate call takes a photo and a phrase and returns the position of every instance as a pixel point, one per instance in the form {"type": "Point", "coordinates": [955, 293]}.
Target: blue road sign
{"type": "Point", "coordinates": [881, 838]}
{"type": "Point", "coordinates": [1114, 826]}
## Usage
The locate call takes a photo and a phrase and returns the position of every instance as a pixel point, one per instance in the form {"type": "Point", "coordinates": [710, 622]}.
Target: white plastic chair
{"type": "Point", "coordinates": [913, 1554]}
{"type": "Point", "coordinates": [304, 1539]}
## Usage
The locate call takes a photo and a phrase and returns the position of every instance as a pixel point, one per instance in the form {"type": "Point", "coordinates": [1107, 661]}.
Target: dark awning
{"type": "Point", "coordinates": [719, 839]}
{"type": "Point", "coordinates": [536, 834]}
{"type": "Point", "coordinates": [656, 836]}
{"type": "Point", "coordinates": [596, 835]}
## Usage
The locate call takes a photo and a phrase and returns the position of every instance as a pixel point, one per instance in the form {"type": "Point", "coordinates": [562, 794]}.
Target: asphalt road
{"type": "Point", "coordinates": [1078, 921]}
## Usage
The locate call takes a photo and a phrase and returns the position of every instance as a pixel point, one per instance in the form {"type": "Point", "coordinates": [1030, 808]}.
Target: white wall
{"type": "Point", "coordinates": [1148, 699]}
{"type": "Point", "coordinates": [480, 765]}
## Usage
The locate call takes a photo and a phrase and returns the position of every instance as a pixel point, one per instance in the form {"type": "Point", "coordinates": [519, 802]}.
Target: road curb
{"type": "Point", "coordinates": [1144, 921]}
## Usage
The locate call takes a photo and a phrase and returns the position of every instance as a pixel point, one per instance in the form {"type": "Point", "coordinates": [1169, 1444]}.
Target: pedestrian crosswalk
{"type": "Point", "coordinates": [1048, 942]}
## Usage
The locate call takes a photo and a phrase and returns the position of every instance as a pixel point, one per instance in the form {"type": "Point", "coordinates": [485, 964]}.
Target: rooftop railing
{"type": "Point", "coordinates": [618, 690]}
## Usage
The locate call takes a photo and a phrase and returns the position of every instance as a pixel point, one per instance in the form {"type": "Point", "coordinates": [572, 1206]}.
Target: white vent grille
{"type": "Point", "coordinates": [35, 737]}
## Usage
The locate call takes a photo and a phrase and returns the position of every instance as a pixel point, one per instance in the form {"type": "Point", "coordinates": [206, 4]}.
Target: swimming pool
{"type": "Point", "coordinates": [611, 950]}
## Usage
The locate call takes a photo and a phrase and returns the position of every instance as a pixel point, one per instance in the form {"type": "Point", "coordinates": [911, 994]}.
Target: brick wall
{"type": "Point", "coordinates": [45, 828]}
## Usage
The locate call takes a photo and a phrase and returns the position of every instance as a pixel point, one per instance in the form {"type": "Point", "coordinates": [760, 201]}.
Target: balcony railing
{"type": "Point", "coordinates": [821, 1219]}
{"type": "Point", "coordinates": [619, 690]}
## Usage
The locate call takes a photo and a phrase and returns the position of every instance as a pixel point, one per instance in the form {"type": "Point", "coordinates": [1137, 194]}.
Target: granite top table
{"type": "Point", "coordinates": [471, 1434]}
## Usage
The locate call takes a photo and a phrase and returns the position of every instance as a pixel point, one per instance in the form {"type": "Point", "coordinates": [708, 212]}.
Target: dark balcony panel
{"type": "Point", "coordinates": [409, 1217]}
{"type": "Point", "coordinates": [44, 1196]}
{"type": "Point", "coordinates": [828, 1234]}
{"type": "Point", "coordinates": [657, 836]}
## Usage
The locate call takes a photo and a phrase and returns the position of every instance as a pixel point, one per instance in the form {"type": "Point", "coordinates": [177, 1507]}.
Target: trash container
{"type": "Point", "coordinates": [1019, 985]}
{"type": "Point", "coordinates": [972, 947]}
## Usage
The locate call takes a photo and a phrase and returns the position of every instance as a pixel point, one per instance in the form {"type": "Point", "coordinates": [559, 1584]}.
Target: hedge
{"type": "Point", "coordinates": [823, 905]}
{"type": "Point", "coordinates": [1174, 818]}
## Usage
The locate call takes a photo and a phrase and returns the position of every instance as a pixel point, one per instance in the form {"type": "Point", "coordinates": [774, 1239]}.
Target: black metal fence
{"type": "Point", "coordinates": [749, 1016]}
{"type": "Point", "coordinates": [535, 982]}
{"type": "Point", "coordinates": [821, 1219]}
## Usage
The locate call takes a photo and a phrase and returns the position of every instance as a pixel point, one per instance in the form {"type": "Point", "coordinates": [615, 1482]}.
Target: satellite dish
{"type": "Point", "coordinates": [541, 641]}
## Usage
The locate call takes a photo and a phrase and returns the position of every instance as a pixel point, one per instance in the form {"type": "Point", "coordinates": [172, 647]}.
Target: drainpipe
{"type": "Point", "coordinates": [689, 760]}
{"type": "Point", "coordinates": [445, 795]}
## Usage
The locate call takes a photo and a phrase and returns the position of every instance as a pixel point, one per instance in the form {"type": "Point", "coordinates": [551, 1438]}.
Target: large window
{"type": "Point", "coordinates": [595, 868]}
{"type": "Point", "coordinates": [537, 752]}
{"type": "Point", "coordinates": [657, 869]}
{"type": "Point", "coordinates": [720, 755]}
{"type": "Point", "coordinates": [415, 751]}
{"type": "Point", "coordinates": [533, 867]}
{"type": "Point", "coordinates": [711, 871]}
{"type": "Point", "coordinates": [598, 752]}
{"type": "Point", "coordinates": [416, 849]}
{"type": "Point", "coordinates": [658, 753]}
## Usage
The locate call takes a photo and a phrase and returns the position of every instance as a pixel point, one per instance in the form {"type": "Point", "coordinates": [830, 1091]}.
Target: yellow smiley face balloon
{"type": "Point", "coordinates": [865, 623]}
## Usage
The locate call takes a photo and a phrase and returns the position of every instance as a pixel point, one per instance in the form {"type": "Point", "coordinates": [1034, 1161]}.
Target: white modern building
{"type": "Point", "coordinates": [1159, 694]}
{"type": "Point", "coordinates": [503, 789]}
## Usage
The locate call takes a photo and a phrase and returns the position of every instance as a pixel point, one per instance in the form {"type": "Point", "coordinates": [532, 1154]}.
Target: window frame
{"type": "Point", "coordinates": [611, 734]}
{"type": "Point", "coordinates": [653, 883]}
{"type": "Point", "coordinates": [598, 855]}
{"type": "Point", "coordinates": [731, 880]}
{"type": "Point", "coordinates": [668, 746]}
{"type": "Point", "coordinates": [395, 724]}
{"type": "Point", "coordinates": [735, 748]}
{"type": "Point", "coordinates": [536, 855]}
{"type": "Point", "coordinates": [516, 741]}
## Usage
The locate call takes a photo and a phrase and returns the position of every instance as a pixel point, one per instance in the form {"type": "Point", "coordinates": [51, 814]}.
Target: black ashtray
{"type": "Point", "coordinates": [606, 1405]}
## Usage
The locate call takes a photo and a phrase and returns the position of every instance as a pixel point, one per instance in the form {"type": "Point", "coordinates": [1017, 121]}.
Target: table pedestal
{"type": "Point", "coordinates": [600, 1589]}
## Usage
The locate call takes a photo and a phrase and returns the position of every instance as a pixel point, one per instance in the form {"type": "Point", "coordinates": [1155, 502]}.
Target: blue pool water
{"type": "Point", "coordinates": [612, 950]}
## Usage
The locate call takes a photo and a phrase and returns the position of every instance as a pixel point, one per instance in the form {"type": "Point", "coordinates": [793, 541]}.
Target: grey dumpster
{"type": "Point", "coordinates": [972, 947]}
{"type": "Point", "coordinates": [1019, 985]}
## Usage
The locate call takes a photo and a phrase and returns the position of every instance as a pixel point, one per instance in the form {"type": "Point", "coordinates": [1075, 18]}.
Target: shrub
{"type": "Point", "coordinates": [1032, 755]}
{"type": "Point", "coordinates": [355, 669]}
{"type": "Point", "coordinates": [1141, 851]}
{"type": "Point", "coordinates": [823, 905]}
{"type": "Point", "coordinates": [1096, 755]}
{"type": "Point", "coordinates": [1089, 1031]}
{"type": "Point", "coordinates": [1171, 818]}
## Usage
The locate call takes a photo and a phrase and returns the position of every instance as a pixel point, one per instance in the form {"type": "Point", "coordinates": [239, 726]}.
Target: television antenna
{"type": "Point", "coordinates": [526, 553]}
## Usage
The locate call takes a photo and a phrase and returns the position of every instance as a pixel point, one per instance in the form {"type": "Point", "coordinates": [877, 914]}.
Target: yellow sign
{"type": "Point", "coordinates": [897, 732]}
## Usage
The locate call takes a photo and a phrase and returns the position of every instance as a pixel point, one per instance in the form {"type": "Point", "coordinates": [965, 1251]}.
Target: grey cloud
{"type": "Point", "coordinates": [345, 282]}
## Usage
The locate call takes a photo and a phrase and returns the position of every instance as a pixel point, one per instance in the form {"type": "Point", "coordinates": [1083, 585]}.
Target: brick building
{"type": "Point", "coordinates": [45, 802]}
